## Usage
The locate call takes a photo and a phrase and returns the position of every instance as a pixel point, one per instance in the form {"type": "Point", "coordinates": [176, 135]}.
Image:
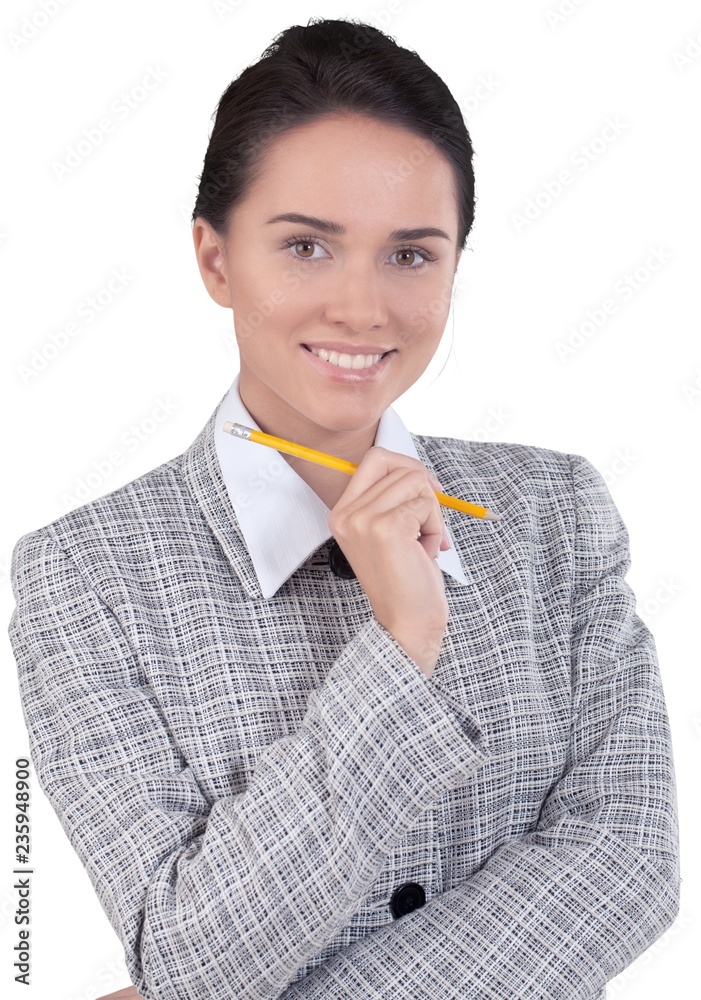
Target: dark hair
{"type": "Point", "coordinates": [328, 68]}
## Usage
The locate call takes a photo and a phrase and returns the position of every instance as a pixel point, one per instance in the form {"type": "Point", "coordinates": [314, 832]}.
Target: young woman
{"type": "Point", "coordinates": [317, 736]}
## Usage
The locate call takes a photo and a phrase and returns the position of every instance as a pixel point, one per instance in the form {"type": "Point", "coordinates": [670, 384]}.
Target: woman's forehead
{"type": "Point", "coordinates": [358, 167]}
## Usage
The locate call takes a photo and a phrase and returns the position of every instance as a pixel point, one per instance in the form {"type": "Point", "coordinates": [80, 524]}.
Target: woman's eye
{"type": "Point", "coordinates": [306, 249]}
{"type": "Point", "coordinates": [409, 259]}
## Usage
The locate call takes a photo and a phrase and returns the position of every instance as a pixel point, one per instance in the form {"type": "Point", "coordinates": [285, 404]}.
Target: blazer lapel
{"type": "Point", "coordinates": [203, 477]}
{"type": "Point", "coordinates": [481, 545]}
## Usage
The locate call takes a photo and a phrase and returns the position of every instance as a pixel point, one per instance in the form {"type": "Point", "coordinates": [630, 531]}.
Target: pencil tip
{"type": "Point", "coordinates": [491, 516]}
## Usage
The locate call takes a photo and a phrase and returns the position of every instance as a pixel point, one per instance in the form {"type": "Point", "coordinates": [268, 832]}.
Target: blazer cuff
{"type": "Point", "coordinates": [389, 728]}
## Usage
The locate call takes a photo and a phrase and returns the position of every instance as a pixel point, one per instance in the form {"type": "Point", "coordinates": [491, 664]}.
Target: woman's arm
{"type": "Point", "coordinates": [562, 910]}
{"type": "Point", "coordinates": [227, 899]}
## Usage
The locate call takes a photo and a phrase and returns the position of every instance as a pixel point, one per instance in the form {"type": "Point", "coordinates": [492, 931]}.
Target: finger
{"type": "Point", "coordinates": [429, 537]}
{"type": "Point", "coordinates": [408, 496]}
{"type": "Point", "coordinates": [399, 487]}
{"type": "Point", "coordinates": [377, 463]}
{"type": "Point", "coordinates": [446, 542]}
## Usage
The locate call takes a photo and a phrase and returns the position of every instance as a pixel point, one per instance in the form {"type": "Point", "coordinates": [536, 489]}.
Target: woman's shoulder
{"type": "Point", "coordinates": [507, 458]}
{"type": "Point", "coordinates": [164, 498]}
{"type": "Point", "coordinates": [124, 519]}
{"type": "Point", "coordinates": [506, 474]}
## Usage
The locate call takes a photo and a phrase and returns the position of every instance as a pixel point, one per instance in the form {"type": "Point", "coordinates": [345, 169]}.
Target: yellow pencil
{"type": "Point", "coordinates": [321, 458]}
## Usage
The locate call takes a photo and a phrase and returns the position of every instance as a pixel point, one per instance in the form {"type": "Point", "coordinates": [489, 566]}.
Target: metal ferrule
{"type": "Point", "coordinates": [238, 430]}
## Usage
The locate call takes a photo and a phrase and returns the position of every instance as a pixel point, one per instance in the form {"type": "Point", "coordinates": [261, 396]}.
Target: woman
{"type": "Point", "coordinates": [315, 736]}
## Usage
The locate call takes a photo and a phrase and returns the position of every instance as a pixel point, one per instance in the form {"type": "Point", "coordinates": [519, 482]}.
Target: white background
{"type": "Point", "coordinates": [521, 359]}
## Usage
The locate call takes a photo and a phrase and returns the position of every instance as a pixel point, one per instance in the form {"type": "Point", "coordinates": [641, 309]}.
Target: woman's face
{"type": "Point", "coordinates": [344, 249]}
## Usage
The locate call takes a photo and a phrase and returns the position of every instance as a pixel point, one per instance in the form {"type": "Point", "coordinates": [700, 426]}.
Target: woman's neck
{"type": "Point", "coordinates": [328, 484]}
{"type": "Point", "coordinates": [351, 445]}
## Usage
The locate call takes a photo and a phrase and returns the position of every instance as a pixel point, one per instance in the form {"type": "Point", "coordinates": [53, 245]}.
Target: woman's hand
{"type": "Point", "coordinates": [128, 993]}
{"type": "Point", "coordinates": [388, 503]}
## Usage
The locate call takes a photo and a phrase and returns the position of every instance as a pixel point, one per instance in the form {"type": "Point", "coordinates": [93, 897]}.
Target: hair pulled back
{"type": "Point", "coordinates": [329, 67]}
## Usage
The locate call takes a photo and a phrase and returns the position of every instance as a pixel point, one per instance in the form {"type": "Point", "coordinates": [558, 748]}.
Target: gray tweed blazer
{"type": "Point", "coordinates": [249, 782]}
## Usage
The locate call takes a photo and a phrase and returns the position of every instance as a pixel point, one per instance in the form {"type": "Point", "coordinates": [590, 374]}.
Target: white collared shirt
{"type": "Point", "coordinates": [284, 525]}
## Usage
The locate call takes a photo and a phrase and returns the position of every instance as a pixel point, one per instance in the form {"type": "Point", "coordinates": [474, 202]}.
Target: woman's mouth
{"type": "Point", "coordinates": [346, 368]}
{"type": "Point", "coordinates": [356, 362]}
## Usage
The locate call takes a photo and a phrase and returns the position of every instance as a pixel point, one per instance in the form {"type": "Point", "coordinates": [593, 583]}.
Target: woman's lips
{"type": "Point", "coordinates": [338, 373]}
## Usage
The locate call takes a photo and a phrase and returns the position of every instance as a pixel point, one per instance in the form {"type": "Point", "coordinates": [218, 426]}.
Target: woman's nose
{"type": "Point", "coordinates": [356, 299]}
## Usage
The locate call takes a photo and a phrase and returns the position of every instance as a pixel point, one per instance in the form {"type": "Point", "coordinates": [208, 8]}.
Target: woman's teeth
{"type": "Point", "coordinates": [355, 361]}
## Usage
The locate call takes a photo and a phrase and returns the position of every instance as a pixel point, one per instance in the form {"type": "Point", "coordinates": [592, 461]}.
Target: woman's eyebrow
{"type": "Point", "coordinates": [336, 229]}
{"type": "Point", "coordinates": [324, 225]}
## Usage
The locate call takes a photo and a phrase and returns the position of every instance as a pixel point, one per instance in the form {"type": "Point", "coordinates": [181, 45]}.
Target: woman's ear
{"type": "Point", "coordinates": [211, 260]}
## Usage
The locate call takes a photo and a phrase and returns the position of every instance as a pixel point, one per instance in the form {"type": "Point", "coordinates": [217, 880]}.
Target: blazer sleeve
{"type": "Point", "coordinates": [565, 908]}
{"type": "Point", "coordinates": [227, 899]}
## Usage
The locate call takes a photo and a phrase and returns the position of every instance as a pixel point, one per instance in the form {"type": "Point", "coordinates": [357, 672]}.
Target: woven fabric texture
{"type": "Point", "coordinates": [247, 781]}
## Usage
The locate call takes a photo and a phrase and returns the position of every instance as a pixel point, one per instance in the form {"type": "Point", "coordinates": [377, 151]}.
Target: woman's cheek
{"type": "Point", "coordinates": [291, 280]}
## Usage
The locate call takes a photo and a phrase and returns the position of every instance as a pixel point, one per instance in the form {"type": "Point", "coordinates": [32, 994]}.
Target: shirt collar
{"type": "Point", "coordinates": [281, 518]}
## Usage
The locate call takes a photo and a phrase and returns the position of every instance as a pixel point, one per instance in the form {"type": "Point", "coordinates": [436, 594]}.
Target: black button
{"type": "Point", "coordinates": [406, 898]}
{"type": "Point", "coordinates": [339, 564]}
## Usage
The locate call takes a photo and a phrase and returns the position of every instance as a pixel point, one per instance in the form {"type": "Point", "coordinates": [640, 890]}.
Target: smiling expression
{"type": "Point", "coordinates": [338, 267]}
